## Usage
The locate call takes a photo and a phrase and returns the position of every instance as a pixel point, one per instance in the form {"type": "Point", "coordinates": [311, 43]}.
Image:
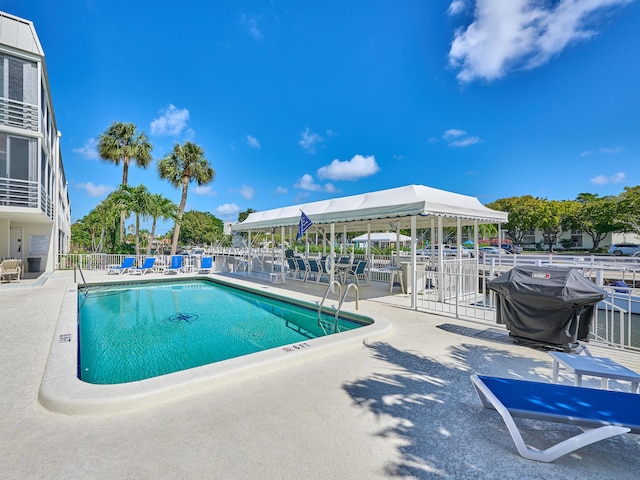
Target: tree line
{"type": "Point", "coordinates": [103, 229]}
{"type": "Point", "coordinates": [589, 213]}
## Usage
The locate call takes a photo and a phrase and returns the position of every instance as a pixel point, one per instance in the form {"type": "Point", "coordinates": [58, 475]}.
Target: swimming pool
{"type": "Point", "coordinates": [62, 390]}
{"type": "Point", "coordinates": [132, 332]}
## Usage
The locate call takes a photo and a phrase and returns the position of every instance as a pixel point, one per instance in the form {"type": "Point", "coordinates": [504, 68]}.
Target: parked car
{"type": "Point", "coordinates": [465, 252]}
{"type": "Point", "coordinates": [624, 249]}
{"type": "Point", "coordinates": [482, 251]}
{"type": "Point", "coordinates": [511, 248]}
{"type": "Point", "coordinates": [448, 251]}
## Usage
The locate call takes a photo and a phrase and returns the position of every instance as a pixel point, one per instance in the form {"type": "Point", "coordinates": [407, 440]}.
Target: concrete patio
{"type": "Point", "coordinates": [401, 406]}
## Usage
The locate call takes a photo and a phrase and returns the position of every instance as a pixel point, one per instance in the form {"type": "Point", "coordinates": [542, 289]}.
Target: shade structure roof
{"type": "Point", "coordinates": [379, 210]}
{"type": "Point", "coordinates": [390, 237]}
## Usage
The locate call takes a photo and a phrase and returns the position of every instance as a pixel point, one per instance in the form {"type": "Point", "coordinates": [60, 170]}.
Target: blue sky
{"type": "Point", "coordinates": [295, 101]}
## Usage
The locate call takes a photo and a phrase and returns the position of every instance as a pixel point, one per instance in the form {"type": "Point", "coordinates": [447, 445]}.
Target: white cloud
{"type": "Point", "coordinates": [227, 210]}
{"type": "Point", "coordinates": [250, 25]}
{"type": "Point", "coordinates": [507, 35]}
{"type": "Point", "coordinates": [604, 180]}
{"type": "Point", "coordinates": [246, 192]}
{"type": "Point", "coordinates": [306, 182]}
{"type": "Point", "coordinates": [610, 151]}
{"type": "Point", "coordinates": [281, 190]}
{"type": "Point", "coordinates": [604, 151]}
{"type": "Point", "coordinates": [94, 190]}
{"type": "Point", "coordinates": [253, 142]}
{"type": "Point", "coordinates": [358, 167]}
{"type": "Point", "coordinates": [459, 138]}
{"type": "Point", "coordinates": [453, 132]}
{"type": "Point", "coordinates": [205, 190]}
{"type": "Point", "coordinates": [456, 7]}
{"type": "Point", "coordinates": [465, 142]}
{"type": "Point", "coordinates": [89, 150]}
{"type": "Point", "coordinates": [171, 122]}
{"type": "Point", "coordinates": [309, 140]}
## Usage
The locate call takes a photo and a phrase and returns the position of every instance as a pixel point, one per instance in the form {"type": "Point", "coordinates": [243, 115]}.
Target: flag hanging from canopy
{"type": "Point", "coordinates": [305, 224]}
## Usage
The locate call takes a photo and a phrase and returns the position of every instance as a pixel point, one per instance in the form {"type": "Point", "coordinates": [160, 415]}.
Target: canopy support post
{"type": "Point", "coordinates": [414, 267]}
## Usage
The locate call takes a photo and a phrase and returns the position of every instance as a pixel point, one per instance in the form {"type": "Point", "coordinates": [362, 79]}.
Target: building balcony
{"type": "Point", "coordinates": [18, 114]}
{"type": "Point", "coordinates": [25, 194]}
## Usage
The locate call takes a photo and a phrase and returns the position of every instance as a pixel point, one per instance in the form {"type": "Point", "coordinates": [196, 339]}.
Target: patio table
{"type": "Point", "coordinates": [602, 367]}
{"type": "Point", "coordinates": [396, 272]}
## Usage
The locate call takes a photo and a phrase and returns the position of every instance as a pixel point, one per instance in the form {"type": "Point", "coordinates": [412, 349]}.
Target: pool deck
{"type": "Point", "coordinates": [401, 406]}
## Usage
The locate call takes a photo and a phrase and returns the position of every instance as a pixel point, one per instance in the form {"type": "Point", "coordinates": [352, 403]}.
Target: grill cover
{"type": "Point", "coordinates": [546, 306]}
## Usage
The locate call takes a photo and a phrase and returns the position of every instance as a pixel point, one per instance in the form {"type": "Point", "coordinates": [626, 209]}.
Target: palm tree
{"type": "Point", "coordinates": [119, 201]}
{"type": "Point", "coordinates": [160, 207]}
{"type": "Point", "coordinates": [137, 199]}
{"type": "Point", "coordinates": [186, 163]}
{"type": "Point", "coordinates": [122, 143]}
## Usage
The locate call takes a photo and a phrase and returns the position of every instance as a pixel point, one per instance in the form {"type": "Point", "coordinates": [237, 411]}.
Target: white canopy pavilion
{"type": "Point", "coordinates": [381, 239]}
{"type": "Point", "coordinates": [378, 209]}
{"type": "Point", "coordinates": [408, 207]}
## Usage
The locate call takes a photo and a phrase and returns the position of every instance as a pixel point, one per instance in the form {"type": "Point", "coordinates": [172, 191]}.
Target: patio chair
{"type": "Point", "coordinates": [303, 268]}
{"type": "Point", "coordinates": [147, 266]}
{"type": "Point", "coordinates": [359, 273]}
{"type": "Point", "coordinates": [206, 265]}
{"type": "Point", "coordinates": [324, 272]}
{"type": "Point", "coordinates": [126, 265]}
{"type": "Point", "coordinates": [176, 265]}
{"type": "Point", "coordinates": [10, 269]}
{"type": "Point", "coordinates": [314, 269]}
{"type": "Point", "coordinates": [293, 267]}
{"type": "Point", "coordinates": [599, 413]}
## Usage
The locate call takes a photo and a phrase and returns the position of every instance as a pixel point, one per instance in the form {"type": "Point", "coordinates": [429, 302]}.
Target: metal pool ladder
{"type": "Point", "coordinates": [84, 282]}
{"type": "Point", "coordinates": [326, 326]}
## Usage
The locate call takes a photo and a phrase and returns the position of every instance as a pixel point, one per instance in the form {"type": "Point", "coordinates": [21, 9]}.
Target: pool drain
{"type": "Point", "coordinates": [183, 317]}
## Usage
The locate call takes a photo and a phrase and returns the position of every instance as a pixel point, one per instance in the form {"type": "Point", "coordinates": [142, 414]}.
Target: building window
{"type": "Point", "coordinates": [18, 157]}
{"type": "Point", "coordinates": [576, 241]}
{"type": "Point", "coordinates": [18, 79]}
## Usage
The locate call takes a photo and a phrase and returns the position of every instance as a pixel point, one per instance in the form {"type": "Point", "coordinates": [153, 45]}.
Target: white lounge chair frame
{"type": "Point", "coordinates": [593, 430]}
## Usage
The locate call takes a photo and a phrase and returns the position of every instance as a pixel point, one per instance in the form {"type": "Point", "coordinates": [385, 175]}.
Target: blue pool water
{"type": "Point", "coordinates": [137, 331]}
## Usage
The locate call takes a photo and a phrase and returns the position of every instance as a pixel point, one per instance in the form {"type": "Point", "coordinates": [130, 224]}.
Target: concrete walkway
{"type": "Point", "coordinates": [398, 407]}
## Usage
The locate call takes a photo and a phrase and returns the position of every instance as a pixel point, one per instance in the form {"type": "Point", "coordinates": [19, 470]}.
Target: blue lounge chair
{"type": "Point", "coordinates": [599, 413]}
{"type": "Point", "coordinates": [206, 265]}
{"type": "Point", "coordinates": [176, 265]}
{"type": "Point", "coordinates": [126, 265]}
{"type": "Point", "coordinates": [147, 266]}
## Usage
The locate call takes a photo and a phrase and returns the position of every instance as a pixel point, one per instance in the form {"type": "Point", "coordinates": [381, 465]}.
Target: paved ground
{"type": "Point", "coordinates": [398, 407]}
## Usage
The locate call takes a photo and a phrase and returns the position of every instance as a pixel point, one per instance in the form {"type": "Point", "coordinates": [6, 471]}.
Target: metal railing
{"type": "Point", "coordinates": [459, 289]}
{"type": "Point", "coordinates": [18, 114]}
{"type": "Point", "coordinates": [18, 193]}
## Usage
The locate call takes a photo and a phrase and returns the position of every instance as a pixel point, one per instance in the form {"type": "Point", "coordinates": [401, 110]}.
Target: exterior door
{"type": "Point", "coordinates": [15, 243]}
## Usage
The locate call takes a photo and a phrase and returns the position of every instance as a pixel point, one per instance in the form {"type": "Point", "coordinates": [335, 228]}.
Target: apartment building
{"type": "Point", "coordinates": [35, 212]}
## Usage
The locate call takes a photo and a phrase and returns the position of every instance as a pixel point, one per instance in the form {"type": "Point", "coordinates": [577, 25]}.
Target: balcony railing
{"type": "Point", "coordinates": [22, 193]}
{"type": "Point", "coordinates": [18, 193]}
{"type": "Point", "coordinates": [18, 114]}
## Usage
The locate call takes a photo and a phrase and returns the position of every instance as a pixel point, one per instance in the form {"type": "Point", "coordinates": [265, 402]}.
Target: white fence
{"type": "Point", "coordinates": [458, 290]}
